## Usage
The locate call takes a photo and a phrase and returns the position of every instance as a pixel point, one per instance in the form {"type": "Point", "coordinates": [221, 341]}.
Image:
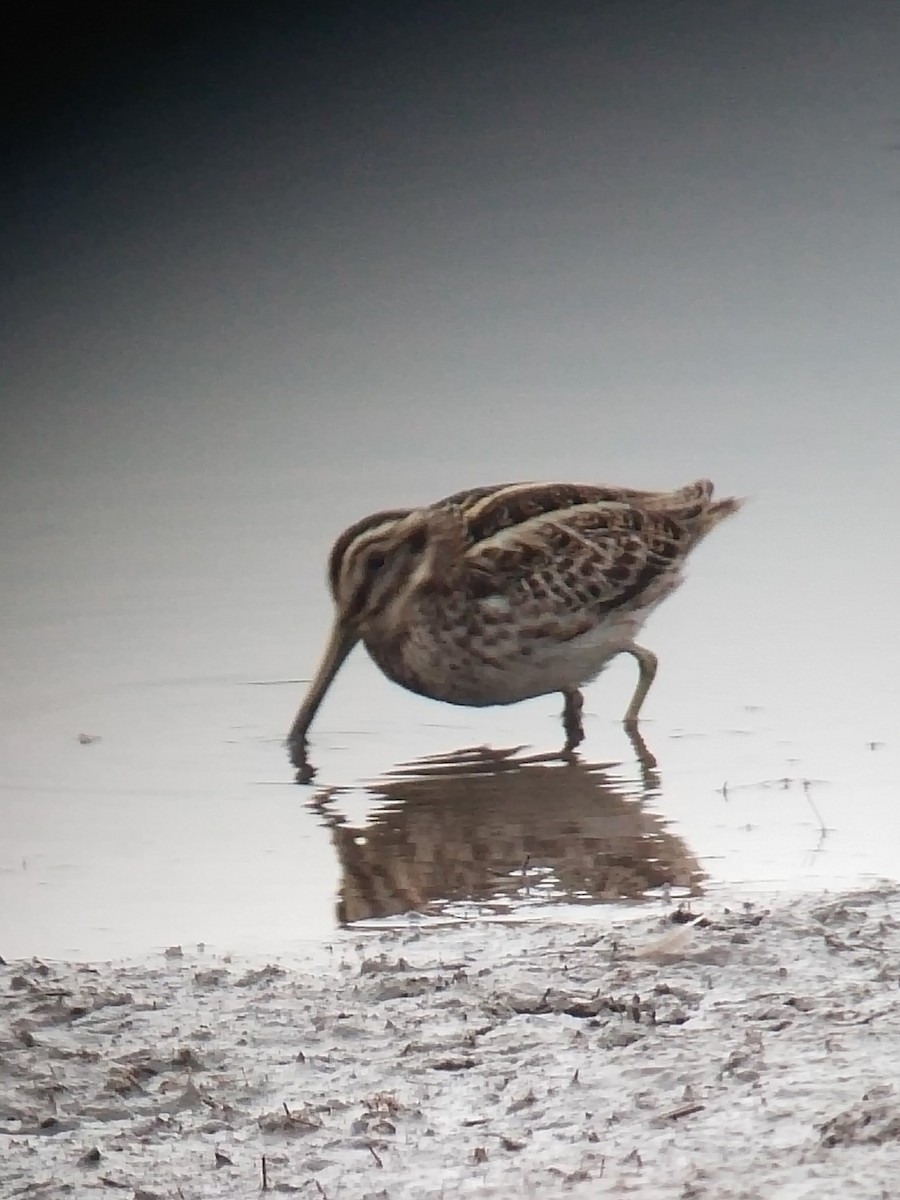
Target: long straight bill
{"type": "Point", "coordinates": [341, 642]}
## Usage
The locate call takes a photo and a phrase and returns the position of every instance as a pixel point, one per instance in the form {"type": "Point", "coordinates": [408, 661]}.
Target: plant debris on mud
{"type": "Point", "coordinates": [750, 1053]}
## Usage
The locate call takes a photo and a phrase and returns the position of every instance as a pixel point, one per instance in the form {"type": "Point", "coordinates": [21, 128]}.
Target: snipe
{"type": "Point", "coordinates": [502, 593]}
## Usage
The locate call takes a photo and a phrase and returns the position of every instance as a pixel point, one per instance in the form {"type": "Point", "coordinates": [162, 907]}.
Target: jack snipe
{"type": "Point", "coordinates": [502, 593]}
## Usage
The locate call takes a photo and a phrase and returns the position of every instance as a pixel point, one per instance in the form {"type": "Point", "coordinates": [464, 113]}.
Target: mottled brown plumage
{"type": "Point", "coordinates": [498, 594]}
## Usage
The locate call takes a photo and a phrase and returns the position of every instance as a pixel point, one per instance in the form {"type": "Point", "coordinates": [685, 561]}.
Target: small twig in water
{"type": "Point", "coordinates": [265, 1174]}
{"type": "Point", "coordinates": [807, 792]}
{"type": "Point", "coordinates": [374, 1154]}
{"type": "Point", "coordinates": [321, 1190]}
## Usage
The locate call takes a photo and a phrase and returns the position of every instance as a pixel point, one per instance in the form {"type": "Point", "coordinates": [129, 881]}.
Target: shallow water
{"type": "Point", "coordinates": [593, 248]}
{"type": "Point", "coordinates": [180, 823]}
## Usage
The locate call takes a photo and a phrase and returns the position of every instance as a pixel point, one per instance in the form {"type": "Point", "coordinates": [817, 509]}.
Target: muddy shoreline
{"type": "Point", "coordinates": [749, 1053]}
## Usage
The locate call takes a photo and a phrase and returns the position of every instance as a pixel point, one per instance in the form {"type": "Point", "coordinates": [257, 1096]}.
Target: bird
{"type": "Point", "coordinates": [500, 593]}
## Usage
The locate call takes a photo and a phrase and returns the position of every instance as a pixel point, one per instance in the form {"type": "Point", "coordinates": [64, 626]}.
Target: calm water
{"type": "Point", "coordinates": [181, 652]}
{"type": "Point", "coordinates": [264, 291]}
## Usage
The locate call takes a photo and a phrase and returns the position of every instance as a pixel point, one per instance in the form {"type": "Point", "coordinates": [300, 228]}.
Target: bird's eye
{"type": "Point", "coordinates": [375, 563]}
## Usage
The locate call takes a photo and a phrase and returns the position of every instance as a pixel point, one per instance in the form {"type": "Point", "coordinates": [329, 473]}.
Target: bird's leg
{"type": "Point", "coordinates": [574, 703]}
{"type": "Point", "coordinates": [647, 663]}
{"type": "Point", "coordinates": [649, 766]}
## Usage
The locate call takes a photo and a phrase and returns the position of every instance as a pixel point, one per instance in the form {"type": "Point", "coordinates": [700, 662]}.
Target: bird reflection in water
{"type": "Point", "coordinates": [498, 831]}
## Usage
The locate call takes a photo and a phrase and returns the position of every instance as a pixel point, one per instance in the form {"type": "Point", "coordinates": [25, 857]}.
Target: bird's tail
{"type": "Point", "coordinates": [694, 506]}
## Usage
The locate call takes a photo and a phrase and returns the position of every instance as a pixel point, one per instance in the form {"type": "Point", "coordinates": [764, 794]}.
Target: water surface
{"type": "Point", "coordinates": [267, 292]}
{"type": "Point", "coordinates": [169, 629]}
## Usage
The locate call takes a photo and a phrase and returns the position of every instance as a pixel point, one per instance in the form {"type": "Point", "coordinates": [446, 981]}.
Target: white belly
{"type": "Point", "coordinates": [462, 670]}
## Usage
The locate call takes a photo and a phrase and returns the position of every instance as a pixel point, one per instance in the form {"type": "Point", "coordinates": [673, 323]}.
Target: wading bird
{"type": "Point", "coordinates": [503, 593]}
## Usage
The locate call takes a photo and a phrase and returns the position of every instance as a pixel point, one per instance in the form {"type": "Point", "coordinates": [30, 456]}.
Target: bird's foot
{"type": "Point", "coordinates": [643, 754]}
